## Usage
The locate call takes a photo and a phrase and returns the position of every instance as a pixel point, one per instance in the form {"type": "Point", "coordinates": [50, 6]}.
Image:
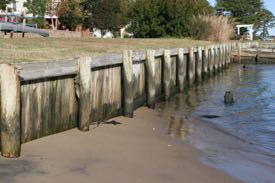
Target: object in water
{"type": "Point", "coordinates": [210, 116]}
{"type": "Point", "coordinates": [228, 97]}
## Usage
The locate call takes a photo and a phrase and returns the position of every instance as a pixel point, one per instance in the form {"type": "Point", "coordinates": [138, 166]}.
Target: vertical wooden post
{"type": "Point", "coordinates": [220, 57]}
{"type": "Point", "coordinates": [227, 55]}
{"type": "Point", "coordinates": [199, 65]}
{"type": "Point", "coordinates": [205, 61]}
{"type": "Point", "coordinates": [212, 60]}
{"type": "Point", "coordinates": [181, 69]}
{"type": "Point", "coordinates": [10, 111]}
{"type": "Point", "coordinates": [127, 75]}
{"type": "Point", "coordinates": [150, 80]}
{"type": "Point", "coordinates": [167, 74]}
{"type": "Point", "coordinates": [191, 66]}
{"type": "Point", "coordinates": [216, 56]}
{"type": "Point", "coordinates": [224, 55]}
{"type": "Point", "coordinates": [239, 53]}
{"type": "Point", "coordinates": [85, 81]}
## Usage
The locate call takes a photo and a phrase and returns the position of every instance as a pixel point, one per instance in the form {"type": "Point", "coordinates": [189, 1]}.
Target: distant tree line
{"type": "Point", "coordinates": [145, 18]}
{"type": "Point", "coordinates": [148, 18]}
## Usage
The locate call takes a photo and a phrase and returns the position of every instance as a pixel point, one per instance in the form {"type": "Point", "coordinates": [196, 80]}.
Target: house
{"type": "Point", "coordinates": [16, 10]}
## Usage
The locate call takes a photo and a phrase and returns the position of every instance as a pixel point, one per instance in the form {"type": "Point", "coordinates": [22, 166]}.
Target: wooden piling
{"type": "Point", "coordinates": [212, 60]}
{"type": "Point", "coordinates": [167, 74]}
{"type": "Point", "coordinates": [191, 66]}
{"type": "Point", "coordinates": [199, 65]}
{"type": "Point", "coordinates": [205, 62]}
{"type": "Point", "coordinates": [223, 56]}
{"type": "Point", "coordinates": [227, 61]}
{"type": "Point", "coordinates": [181, 69]}
{"type": "Point", "coordinates": [10, 111]}
{"type": "Point", "coordinates": [239, 53]}
{"type": "Point", "coordinates": [150, 80]}
{"type": "Point", "coordinates": [85, 82]}
{"type": "Point", "coordinates": [220, 57]}
{"type": "Point", "coordinates": [127, 75]}
{"type": "Point", "coordinates": [215, 68]}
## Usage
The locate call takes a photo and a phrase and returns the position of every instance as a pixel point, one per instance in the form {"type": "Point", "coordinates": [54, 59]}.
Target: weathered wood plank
{"type": "Point", "coordinates": [181, 69]}
{"type": "Point", "coordinates": [48, 106]}
{"type": "Point", "coordinates": [212, 60]}
{"type": "Point", "coordinates": [127, 76]}
{"type": "Point", "coordinates": [167, 74]}
{"type": "Point", "coordinates": [191, 66]}
{"type": "Point", "coordinates": [174, 71]}
{"type": "Point", "coordinates": [199, 65]}
{"type": "Point", "coordinates": [205, 62]}
{"type": "Point", "coordinates": [151, 73]}
{"type": "Point", "coordinates": [106, 93]}
{"type": "Point", "coordinates": [217, 58]}
{"type": "Point", "coordinates": [139, 80]}
{"type": "Point", "coordinates": [44, 70]}
{"type": "Point", "coordinates": [85, 81]}
{"type": "Point", "coordinates": [10, 111]}
{"type": "Point", "coordinates": [159, 64]}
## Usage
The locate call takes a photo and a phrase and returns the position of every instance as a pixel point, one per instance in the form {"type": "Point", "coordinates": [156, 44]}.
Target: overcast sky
{"type": "Point", "coordinates": [269, 4]}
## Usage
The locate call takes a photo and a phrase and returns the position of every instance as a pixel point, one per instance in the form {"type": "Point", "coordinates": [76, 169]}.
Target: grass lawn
{"type": "Point", "coordinates": [48, 49]}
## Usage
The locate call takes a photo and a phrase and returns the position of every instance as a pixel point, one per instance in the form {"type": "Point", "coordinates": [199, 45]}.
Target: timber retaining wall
{"type": "Point", "coordinates": [41, 99]}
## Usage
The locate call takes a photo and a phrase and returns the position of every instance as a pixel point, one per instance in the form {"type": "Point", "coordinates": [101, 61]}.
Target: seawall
{"type": "Point", "coordinates": [41, 99]}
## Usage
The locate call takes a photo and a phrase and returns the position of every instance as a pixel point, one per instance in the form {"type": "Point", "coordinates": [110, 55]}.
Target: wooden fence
{"type": "Point", "coordinates": [41, 99]}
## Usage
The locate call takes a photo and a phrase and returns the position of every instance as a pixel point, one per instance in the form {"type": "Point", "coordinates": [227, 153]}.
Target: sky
{"type": "Point", "coordinates": [269, 4]}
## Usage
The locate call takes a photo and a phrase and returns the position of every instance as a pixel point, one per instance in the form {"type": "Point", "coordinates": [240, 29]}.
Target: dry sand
{"type": "Point", "coordinates": [135, 151]}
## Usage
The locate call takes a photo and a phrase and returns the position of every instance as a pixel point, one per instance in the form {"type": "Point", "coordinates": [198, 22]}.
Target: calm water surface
{"type": "Point", "coordinates": [238, 138]}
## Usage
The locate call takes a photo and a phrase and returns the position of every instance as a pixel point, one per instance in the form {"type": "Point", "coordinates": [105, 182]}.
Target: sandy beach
{"type": "Point", "coordinates": [134, 150]}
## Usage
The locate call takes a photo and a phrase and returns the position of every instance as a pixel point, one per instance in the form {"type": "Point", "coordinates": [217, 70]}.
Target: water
{"type": "Point", "coordinates": [237, 138]}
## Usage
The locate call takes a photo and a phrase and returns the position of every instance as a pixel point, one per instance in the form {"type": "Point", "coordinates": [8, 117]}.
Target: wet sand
{"type": "Point", "coordinates": [135, 151]}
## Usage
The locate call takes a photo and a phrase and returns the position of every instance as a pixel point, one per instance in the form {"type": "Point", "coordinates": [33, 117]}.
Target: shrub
{"type": "Point", "coordinates": [212, 28]}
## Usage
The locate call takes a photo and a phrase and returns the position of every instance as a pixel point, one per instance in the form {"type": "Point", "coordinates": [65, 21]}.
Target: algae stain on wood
{"type": "Point", "coordinates": [139, 83]}
{"type": "Point", "coordinates": [106, 95]}
{"type": "Point", "coordinates": [10, 111]}
{"type": "Point", "coordinates": [47, 107]}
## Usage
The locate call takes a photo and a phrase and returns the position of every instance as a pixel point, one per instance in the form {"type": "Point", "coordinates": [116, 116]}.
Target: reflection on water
{"type": "Point", "coordinates": [252, 116]}
{"type": "Point", "coordinates": [250, 120]}
{"type": "Point", "coordinates": [178, 127]}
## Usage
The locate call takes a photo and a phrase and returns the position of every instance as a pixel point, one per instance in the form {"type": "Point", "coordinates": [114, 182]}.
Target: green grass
{"type": "Point", "coordinates": [48, 49]}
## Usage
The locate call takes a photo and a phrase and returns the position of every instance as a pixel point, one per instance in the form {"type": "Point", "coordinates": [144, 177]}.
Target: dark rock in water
{"type": "Point", "coordinates": [228, 97]}
{"type": "Point", "coordinates": [210, 116]}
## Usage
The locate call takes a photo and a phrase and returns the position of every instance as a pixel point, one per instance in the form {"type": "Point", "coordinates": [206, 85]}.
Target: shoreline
{"type": "Point", "coordinates": [223, 151]}
{"type": "Point", "coordinates": [134, 151]}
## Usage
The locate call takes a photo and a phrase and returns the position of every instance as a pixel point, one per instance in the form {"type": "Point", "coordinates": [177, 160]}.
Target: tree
{"type": "Point", "coordinates": [162, 18]}
{"type": "Point", "coordinates": [265, 21]}
{"type": "Point", "coordinates": [3, 4]}
{"type": "Point", "coordinates": [52, 9]}
{"type": "Point", "coordinates": [38, 9]}
{"type": "Point", "coordinates": [71, 14]}
{"type": "Point", "coordinates": [106, 15]}
{"type": "Point", "coordinates": [249, 12]}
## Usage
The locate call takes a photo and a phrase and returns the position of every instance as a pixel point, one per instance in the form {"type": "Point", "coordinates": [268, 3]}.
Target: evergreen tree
{"type": "Point", "coordinates": [163, 18]}
{"type": "Point", "coordinates": [106, 15]}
